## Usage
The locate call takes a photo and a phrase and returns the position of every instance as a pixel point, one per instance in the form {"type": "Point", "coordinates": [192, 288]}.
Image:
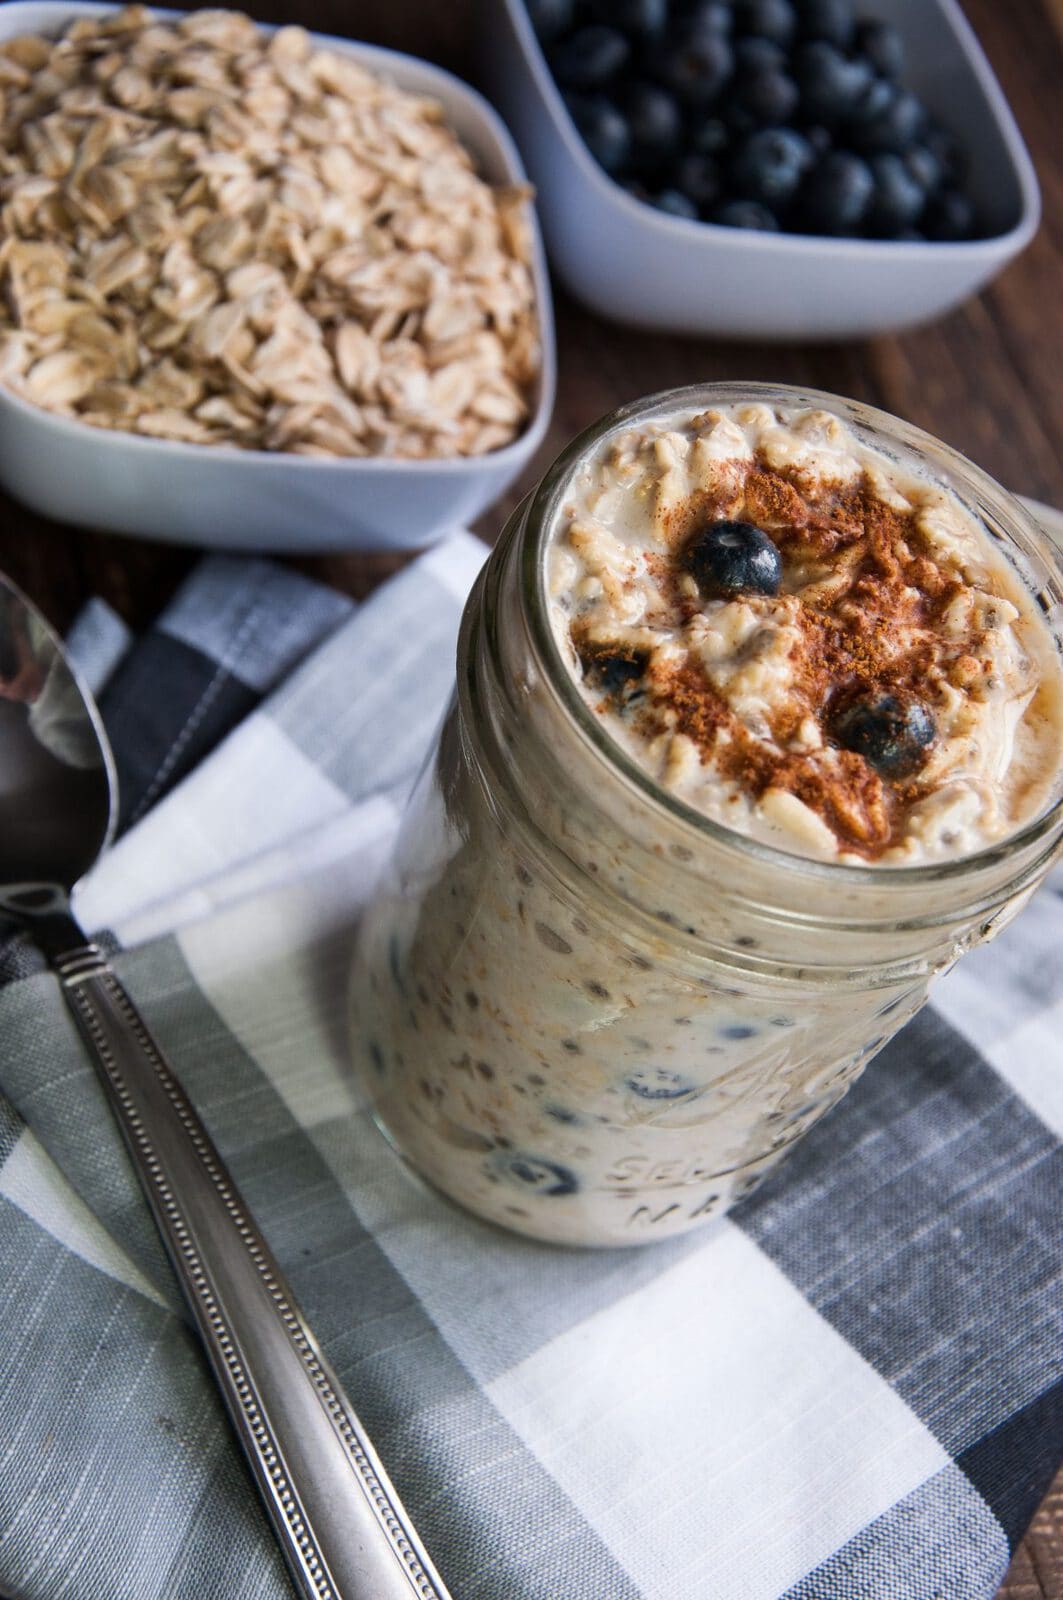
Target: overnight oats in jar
{"type": "Point", "coordinates": [758, 725]}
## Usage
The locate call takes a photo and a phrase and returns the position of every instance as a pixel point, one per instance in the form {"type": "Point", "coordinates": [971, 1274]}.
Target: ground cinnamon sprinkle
{"type": "Point", "coordinates": [857, 672]}
{"type": "Point", "coordinates": [772, 502]}
{"type": "Point", "coordinates": [870, 599]}
{"type": "Point", "coordinates": [852, 801]}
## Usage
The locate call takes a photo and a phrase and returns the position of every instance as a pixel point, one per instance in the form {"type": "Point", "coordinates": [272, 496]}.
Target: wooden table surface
{"type": "Point", "coordinates": [987, 379]}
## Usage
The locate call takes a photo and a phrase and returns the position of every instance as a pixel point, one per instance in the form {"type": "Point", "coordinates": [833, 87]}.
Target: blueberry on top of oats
{"type": "Point", "coordinates": [732, 558]}
{"type": "Point", "coordinates": [614, 672]}
{"type": "Point", "coordinates": [895, 738]}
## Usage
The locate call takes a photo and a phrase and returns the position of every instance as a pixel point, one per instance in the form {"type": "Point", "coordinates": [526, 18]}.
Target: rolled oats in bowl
{"type": "Point", "coordinates": [219, 236]}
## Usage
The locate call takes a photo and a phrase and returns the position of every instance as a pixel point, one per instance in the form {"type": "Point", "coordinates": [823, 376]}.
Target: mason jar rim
{"type": "Point", "coordinates": [981, 495]}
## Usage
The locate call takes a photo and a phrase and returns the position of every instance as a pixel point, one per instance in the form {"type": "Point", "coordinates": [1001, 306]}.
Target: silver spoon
{"type": "Point", "coordinates": [340, 1523]}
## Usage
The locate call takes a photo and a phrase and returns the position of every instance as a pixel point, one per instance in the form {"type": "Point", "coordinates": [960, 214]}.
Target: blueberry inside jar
{"type": "Point", "coordinates": [757, 725]}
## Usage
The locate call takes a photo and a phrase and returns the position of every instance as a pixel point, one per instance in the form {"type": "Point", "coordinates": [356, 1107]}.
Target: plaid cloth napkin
{"type": "Point", "coordinates": [849, 1389]}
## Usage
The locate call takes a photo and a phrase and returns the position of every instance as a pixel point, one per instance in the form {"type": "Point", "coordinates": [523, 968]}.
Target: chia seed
{"type": "Point", "coordinates": [553, 940]}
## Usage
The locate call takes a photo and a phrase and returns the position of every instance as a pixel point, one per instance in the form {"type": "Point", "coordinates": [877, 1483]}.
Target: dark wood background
{"type": "Point", "coordinates": [987, 379]}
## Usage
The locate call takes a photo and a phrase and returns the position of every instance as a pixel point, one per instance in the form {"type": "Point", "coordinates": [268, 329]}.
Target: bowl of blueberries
{"type": "Point", "coordinates": [771, 169]}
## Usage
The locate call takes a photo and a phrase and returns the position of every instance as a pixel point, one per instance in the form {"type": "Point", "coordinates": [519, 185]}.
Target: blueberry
{"type": "Point", "coordinates": [613, 670]}
{"type": "Point", "coordinates": [881, 44]}
{"type": "Point", "coordinates": [831, 20]}
{"type": "Point", "coordinates": [656, 126]}
{"type": "Point", "coordinates": [925, 167]}
{"type": "Point", "coordinates": [694, 64]}
{"type": "Point", "coordinates": [745, 214]}
{"type": "Point", "coordinates": [769, 96]}
{"type": "Point", "coordinates": [602, 128]}
{"type": "Point", "coordinates": [894, 128]}
{"type": "Point", "coordinates": [767, 19]}
{"type": "Point", "coordinates": [532, 1172]}
{"type": "Point", "coordinates": [675, 204]}
{"type": "Point", "coordinates": [550, 18]}
{"type": "Point", "coordinates": [898, 200]}
{"type": "Point", "coordinates": [820, 138]}
{"type": "Point", "coordinates": [732, 558]}
{"type": "Point", "coordinates": [709, 16]}
{"type": "Point", "coordinates": [639, 19]}
{"type": "Point", "coordinates": [948, 153]}
{"type": "Point", "coordinates": [590, 58]}
{"type": "Point", "coordinates": [740, 122]}
{"type": "Point", "coordinates": [949, 217]}
{"type": "Point", "coordinates": [836, 194]}
{"type": "Point", "coordinates": [659, 1083]}
{"type": "Point", "coordinates": [893, 737]}
{"type": "Point", "coordinates": [770, 164]}
{"type": "Point", "coordinates": [831, 85]}
{"type": "Point", "coordinates": [700, 179]}
{"type": "Point", "coordinates": [752, 54]}
{"type": "Point", "coordinates": [872, 103]}
{"type": "Point", "coordinates": [710, 137]}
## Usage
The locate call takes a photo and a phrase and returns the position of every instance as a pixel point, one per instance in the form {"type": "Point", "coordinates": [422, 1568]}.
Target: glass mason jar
{"type": "Point", "coordinates": [586, 1011]}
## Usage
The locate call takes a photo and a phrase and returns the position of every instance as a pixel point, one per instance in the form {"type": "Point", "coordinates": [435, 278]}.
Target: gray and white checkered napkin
{"type": "Point", "coordinates": [849, 1389]}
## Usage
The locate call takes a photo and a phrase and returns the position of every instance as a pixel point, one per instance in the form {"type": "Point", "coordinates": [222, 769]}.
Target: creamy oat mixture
{"type": "Point", "coordinates": [587, 1020]}
{"type": "Point", "coordinates": [853, 673]}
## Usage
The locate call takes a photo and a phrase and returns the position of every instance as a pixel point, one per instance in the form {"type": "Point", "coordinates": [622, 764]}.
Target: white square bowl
{"type": "Point", "coordinates": [221, 496]}
{"type": "Point", "coordinates": [629, 261]}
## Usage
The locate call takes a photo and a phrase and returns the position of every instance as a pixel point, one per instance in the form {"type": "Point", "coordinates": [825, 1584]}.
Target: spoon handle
{"type": "Point", "coordinates": [340, 1523]}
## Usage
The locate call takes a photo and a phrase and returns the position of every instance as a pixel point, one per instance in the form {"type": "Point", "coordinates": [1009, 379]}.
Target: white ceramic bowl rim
{"type": "Point", "coordinates": [180, 449]}
{"type": "Point", "coordinates": [1020, 233]}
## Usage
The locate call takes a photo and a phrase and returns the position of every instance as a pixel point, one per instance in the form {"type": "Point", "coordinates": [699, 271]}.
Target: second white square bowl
{"type": "Point", "coordinates": [627, 260]}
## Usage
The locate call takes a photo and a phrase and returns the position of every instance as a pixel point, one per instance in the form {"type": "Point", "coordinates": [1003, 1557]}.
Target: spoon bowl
{"type": "Point", "coordinates": [57, 780]}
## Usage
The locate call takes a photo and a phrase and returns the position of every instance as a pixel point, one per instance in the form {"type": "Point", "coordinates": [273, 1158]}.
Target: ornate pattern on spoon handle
{"type": "Point", "coordinates": [340, 1523]}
